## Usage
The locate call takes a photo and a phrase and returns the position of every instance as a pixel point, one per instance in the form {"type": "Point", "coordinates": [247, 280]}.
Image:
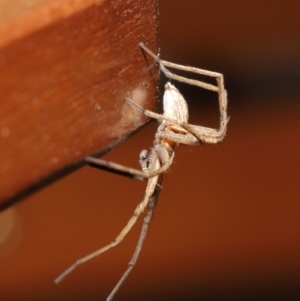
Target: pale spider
{"type": "Point", "coordinates": [173, 130]}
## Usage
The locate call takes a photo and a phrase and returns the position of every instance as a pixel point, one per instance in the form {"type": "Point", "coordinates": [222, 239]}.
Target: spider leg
{"type": "Point", "coordinates": [163, 64]}
{"type": "Point", "coordinates": [179, 138]}
{"type": "Point", "coordinates": [199, 132]}
{"type": "Point", "coordinates": [116, 168]}
{"type": "Point", "coordinates": [128, 171]}
{"type": "Point", "coordinates": [206, 135]}
{"type": "Point", "coordinates": [147, 220]}
{"type": "Point", "coordinates": [195, 133]}
{"type": "Point", "coordinates": [151, 186]}
{"type": "Point", "coordinates": [203, 134]}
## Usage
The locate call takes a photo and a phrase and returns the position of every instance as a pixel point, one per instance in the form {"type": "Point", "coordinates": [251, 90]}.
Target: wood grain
{"type": "Point", "coordinates": [65, 68]}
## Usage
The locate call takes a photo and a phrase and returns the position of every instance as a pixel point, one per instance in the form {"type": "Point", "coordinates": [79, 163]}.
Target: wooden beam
{"type": "Point", "coordinates": [65, 68]}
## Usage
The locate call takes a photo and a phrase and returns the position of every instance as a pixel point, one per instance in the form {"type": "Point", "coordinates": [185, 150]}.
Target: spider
{"type": "Point", "coordinates": [173, 130]}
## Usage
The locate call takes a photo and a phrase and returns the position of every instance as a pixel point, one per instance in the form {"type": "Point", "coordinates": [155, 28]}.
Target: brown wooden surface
{"type": "Point", "coordinates": [65, 69]}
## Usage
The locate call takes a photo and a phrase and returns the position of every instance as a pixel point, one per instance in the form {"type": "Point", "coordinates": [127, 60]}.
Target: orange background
{"type": "Point", "coordinates": [227, 223]}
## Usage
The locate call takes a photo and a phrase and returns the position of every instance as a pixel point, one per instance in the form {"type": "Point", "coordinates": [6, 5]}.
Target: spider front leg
{"type": "Point", "coordinates": [192, 134]}
{"type": "Point", "coordinates": [206, 135]}
{"type": "Point", "coordinates": [133, 173]}
{"type": "Point", "coordinates": [163, 64]}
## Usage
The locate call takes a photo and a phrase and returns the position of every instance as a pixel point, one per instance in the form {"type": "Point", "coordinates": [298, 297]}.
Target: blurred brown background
{"type": "Point", "coordinates": [227, 222]}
